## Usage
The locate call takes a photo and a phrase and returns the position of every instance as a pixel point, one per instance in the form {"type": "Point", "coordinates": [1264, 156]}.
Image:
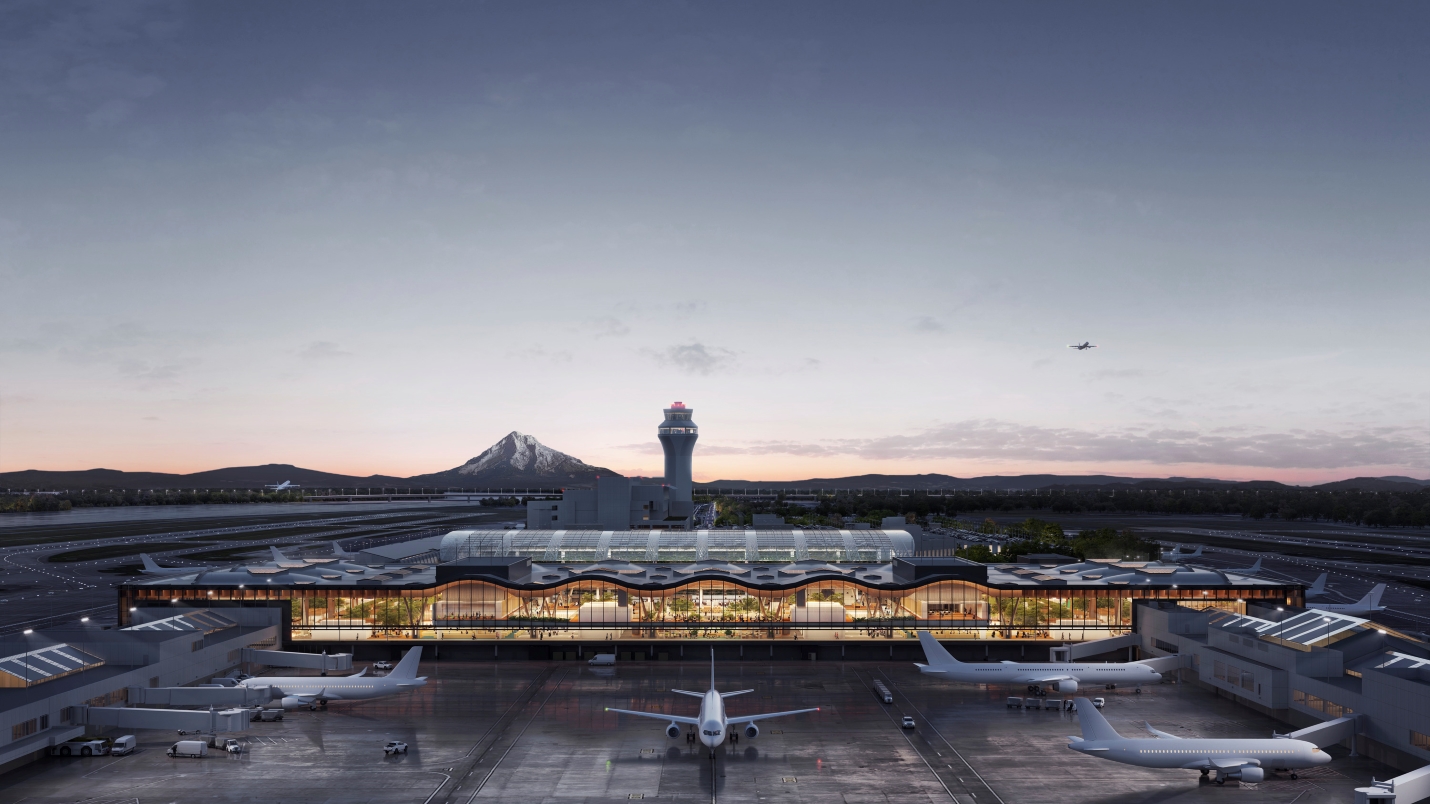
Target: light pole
{"type": "Point", "coordinates": [1328, 648]}
{"type": "Point", "coordinates": [1281, 623]}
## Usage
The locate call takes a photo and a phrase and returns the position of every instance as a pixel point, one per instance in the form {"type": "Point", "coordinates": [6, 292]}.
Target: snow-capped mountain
{"type": "Point", "coordinates": [520, 458]}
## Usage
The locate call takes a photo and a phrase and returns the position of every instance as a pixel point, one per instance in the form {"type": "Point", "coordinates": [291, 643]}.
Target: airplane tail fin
{"type": "Point", "coordinates": [1319, 587]}
{"type": "Point", "coordinates": [712, 668]}
{"type": "Point", "coordinates": [339, 551]}
{"type": "Point", "coordinates": [149, 563]}
{"type": "Point", "coordinates": [1254, 568]}
{"type": "Point", "coordinates": [935, 652]}
{"type": "Point", "coordinates": [1372, 598]}
{"type": "Point", "coordinates": [1197, 553]}
{"type": "Point", "coordinates": [277, 556]}
{"type": "Point", "coordinates": [407, 668]}
{"type": "Point", "coordinates": [1094, 725]}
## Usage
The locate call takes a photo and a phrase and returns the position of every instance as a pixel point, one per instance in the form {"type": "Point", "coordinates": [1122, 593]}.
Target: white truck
{"type": "Point", "coordinates": [602, 660]}
{"type": "Point", "coordinates": [189, 748]}
{"type": "Point", "coordinates": [124, 745]}
{"type": "Point", "coordinates": [80, 747]}
{"type": "Point", "coordinates": [883, 692]}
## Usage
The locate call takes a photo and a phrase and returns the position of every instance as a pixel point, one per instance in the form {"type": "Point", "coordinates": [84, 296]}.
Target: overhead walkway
{"type": "Point", "coordinates": [202, 696]}
{"type": "Point", "coordinates": [1406, 788]}
{"type": "Point", "coordinates": [194, 720]}
{"type": "Point", "coordinates": [308, 661]}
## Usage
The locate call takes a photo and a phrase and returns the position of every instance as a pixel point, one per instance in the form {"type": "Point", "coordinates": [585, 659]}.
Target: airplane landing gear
{"type": "Point", "coordinates": [1293, 774]}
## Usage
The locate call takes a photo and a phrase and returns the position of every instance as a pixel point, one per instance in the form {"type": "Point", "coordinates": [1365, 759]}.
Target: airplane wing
{"type": "Point", "coordinates": [736, 692]}
{"type": "Point", "coordinates": [753, 718]}
{"type": "Point", "coordinates": [1159, 734]}
{"type": "Point", "coordinates": [416, 682]}
{"type": "Point", "coordinates": [658, 716]}
{"type": "Point", "coordinates": [688, 692]}
{"type": "Point", "coordinates": [923, 668]}
{"type": "Point", "coordinates": [1046, 679]}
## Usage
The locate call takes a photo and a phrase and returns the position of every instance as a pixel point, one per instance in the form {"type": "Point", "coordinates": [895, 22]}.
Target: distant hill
{"type": "Point", "coordinates": [1375, 484]}
{"type": "Point", "coordinates": [989, 482]}
{"type": "Point", "coordinates": [517, 461]}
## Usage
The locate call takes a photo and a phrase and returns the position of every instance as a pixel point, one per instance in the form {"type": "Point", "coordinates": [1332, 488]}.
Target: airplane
{"type": "Point", "coordinates": [1063, 676]}
{"type": "Point", "coordinates": [1176, 554]}
{"type": "Point", "coordinates": [713, 722]}
{"type": "Point", "coordinates": [284, 486]}
{"type": "Point", "coordinates": [339, 552]}
{"type": "Point", "coordinates": [1370, 604]}
{"type": "Point", "coordinates": [313, 691]}
{"type": "Point", "coordinates": [1240, 759]}
{"type": "Point", "coordinates": [152, 568]}
{"type": "Point", "coordinates": [1251, 570]}
{"type": "Point", "coordinates": [1082, 346]}
{"type": "Point", "coordinates": [1318, 589]}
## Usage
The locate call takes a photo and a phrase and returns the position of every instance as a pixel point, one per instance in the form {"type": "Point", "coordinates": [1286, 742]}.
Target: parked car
{"type": "Point", "coordinates": [189, 748]}
{"type": "Point", "coordinates": [602, 660]}
{"type": "Point", "coordinates": [123, 745]}
{"type": "Point", "coordinates": [382, 666]}
{"type": "Point", "coordinates": [394, 747]}
{"type": "Point", "coordinates": [908, 722]}
{"type": "Point", "coordinates": [233, 746]}
{"type": "Point", "coordinates": [1098, 702]}
{"type": "Point", "coordinates": [80, 747]}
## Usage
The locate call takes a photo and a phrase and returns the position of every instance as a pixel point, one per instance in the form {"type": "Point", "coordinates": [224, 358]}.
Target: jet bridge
{"type": "Point", "coordinates": [307, 661]}
{"type": "Point", "coordinates": [1328, 733]}
{"type": "Point", "coordinates": [1406, 788]}
{"type": "Point", "coordinates": [203, 696]}
{"type": "Point", "coordinates": [194, 720]}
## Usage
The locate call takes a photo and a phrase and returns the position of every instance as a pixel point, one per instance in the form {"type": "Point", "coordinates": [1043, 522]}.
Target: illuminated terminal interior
{"type": "Point", "coordinates": [717, 585]}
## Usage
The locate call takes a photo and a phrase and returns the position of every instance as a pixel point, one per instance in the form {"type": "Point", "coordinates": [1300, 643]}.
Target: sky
{"type": "Point", "coordinates": [853, 237]}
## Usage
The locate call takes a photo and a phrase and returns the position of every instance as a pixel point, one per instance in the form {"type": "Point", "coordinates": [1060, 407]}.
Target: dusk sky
{"type": "Point", "coordinates": [854, 237]}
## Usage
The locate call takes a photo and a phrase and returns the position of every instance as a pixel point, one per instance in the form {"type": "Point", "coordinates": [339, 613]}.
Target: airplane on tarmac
{"type": "Point", "coordinates": [1062, 676]}
{"type": "Point", "coordinates": [1244, 760]}
{"type": "Point", "coordinates": [1082, 346]}
{"type": "Point", "coordinates": [1176, 554]}
{"type": "Point", "coordinates": [1251, 570]}
{"type": "Point", "coordinates": [1368, 605]}
{"type": "Point", "coordinates": [713, 723]}
{"type": "Point", "coordinates": [339, 552]}
{"type": "Point", "coordinates": [314, 691]}
{"type": "Point", "coordinates": [1318, 589]}
{"type": "Point", "coordinates": [152, 568]}
{"type": "Point", "coordinates": [284, 486]}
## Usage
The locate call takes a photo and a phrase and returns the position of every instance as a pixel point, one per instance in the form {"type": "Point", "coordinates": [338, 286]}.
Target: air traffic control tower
{"type": "Point", "coordinates": [677, 437]}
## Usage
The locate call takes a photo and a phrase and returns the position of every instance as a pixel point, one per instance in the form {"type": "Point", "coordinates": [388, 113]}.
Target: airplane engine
{"type": "Point", "coordinates": [672, 731]}
{"type": "Point", "coordinates": [1250, 773]}
{"type": "Point", "coordinates": [1067, 685]}
{"type": "Point", "coordinates": [752, 731]}
{"type": "Point", "coordinates": [292, 702]}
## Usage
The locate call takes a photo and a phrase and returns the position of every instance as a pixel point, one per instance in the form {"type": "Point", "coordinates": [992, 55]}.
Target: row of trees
{"type": "Point", "coordinates": [1381, 509]}
{"type": "Point", "coordinates": [64, 501]}
{"type": "Point", "coordinates": [1037, 536]}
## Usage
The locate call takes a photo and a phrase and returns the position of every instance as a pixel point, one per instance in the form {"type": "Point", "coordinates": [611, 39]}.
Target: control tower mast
{"type": "Point", "coordinates": [677, 437]}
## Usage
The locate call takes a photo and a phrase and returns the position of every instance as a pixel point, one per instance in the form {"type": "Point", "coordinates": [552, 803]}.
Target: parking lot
{"type": "Point", "coordinates": [533, 732]}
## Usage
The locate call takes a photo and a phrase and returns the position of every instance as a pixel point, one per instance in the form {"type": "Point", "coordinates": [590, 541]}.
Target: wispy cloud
{"type": "Point", "coordinates": [696, 358]}
{"type": "Point", "coordinates": [987, 439]}
{"type": "Point", "coordinates": [323, 350]}
{"type": "Point", "coordinates": [607, 326]}
{"type": "Point", "coordinates": [928, 325]}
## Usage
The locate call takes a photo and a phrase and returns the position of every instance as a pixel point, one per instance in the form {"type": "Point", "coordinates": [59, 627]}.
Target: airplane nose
{"type": "Point", "coordinates": [1322, 758]}
{"type": "Point", "coordinates": [1156, 677]}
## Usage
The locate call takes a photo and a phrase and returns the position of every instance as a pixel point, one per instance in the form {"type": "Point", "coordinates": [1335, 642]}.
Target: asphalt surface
{"type": "Point", "coordinates": [37, 592]}
{"type": "Point", "coordinates": [540, 732]}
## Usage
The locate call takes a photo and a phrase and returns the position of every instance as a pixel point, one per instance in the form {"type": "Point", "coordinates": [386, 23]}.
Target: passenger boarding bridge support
{"type": "Point", "coordinates": [1406, 788]}
{"type": "Point", "coordinates": [309, 661]}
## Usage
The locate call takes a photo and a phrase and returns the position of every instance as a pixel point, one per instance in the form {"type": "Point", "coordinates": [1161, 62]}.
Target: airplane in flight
{"type": "Point", "coordinates": [314, 691]}
{"type": "Point", "coordinates": [1366, 606]}
{"type": "Point", "coordinates": [713, 722]}
{"type": "Point", "coordinates": [284, 486]}
{"type": "Point", "coordinates": [1082, 346]}
{"type": "Point", "coordinates": [1239, 759]}
{"type": "Point", "coordinates": [152, 568]}
{"type": "Point", "coordinates": [1062, 676]}
{"type": "Point", "coordinates": [1318, 589]}
{"type": "Point", "coordinates": [1176, 554]}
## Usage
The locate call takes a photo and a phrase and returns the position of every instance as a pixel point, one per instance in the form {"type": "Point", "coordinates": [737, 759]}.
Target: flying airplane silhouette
{"type": "Point", "coordinates": [1082, 346]}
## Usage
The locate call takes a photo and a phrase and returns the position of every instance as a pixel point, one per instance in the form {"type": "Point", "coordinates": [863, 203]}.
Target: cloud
{"type": "Point", "coordinates": [607, 327]}
{"type": "Point", "coordinates": [988, 439]}
{"type": "Point", "coordinates": [926, 325]}
{"type": "Point", "coordinates": [323, 350]}
{"type": "Point", "coordinates": [696, 358]}
{"type": "Point", "coordinates": [689, 308]}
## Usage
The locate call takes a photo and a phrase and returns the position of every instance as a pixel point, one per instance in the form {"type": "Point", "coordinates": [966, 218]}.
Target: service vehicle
{"type": "Point", "coordinates": [883, 692]}
{"type": "Point", "coordinates": [602, 660]}
{"type": "Point", "coordinates": [266, 715]}
{"type": "Point", "coordinates": [189, 748]}
{"type": "Point", "coordinates": [908, 722]}
{"type": "Point", "coordinates": [233, 746]}
{"type": "Point", "coordinates": [1098, 702]}
{"type": "Point", "coordinates": [123, 745]}
{"type": "Point", "coordinates": [394, 747]}
{"type": "Point", "coordinates": [80, 747]}
{"type": "Point", "coordinates": [382, 666]}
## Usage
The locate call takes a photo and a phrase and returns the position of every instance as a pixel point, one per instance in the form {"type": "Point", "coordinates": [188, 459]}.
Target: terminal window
{"type": "Point", "coordinates": [19, 731]}
{"type": "Point", "coordinates": [1421, 741]}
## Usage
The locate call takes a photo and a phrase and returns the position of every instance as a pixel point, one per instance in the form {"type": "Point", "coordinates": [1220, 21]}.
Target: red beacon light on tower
{"type": "Point", "coordinates": [677, 406]}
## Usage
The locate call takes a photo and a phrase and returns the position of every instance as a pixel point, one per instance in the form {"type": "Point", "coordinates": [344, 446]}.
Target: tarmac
{"type": "Point", "coordinates": [539, 732]}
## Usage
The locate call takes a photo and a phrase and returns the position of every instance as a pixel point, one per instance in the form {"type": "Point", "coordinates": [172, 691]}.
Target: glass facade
{"type": "Point", "coordinates": [823, 608]}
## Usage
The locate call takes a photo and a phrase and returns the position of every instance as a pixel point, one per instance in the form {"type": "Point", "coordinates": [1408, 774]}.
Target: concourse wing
{"type": "Point", "coordinates": [753, 718]}
{"type": "Point", "coordinates": [658, 716]}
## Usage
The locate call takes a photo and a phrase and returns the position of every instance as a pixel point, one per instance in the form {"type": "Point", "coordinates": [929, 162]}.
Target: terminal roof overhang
{"type": "Point", "coordinates": [511, 572]}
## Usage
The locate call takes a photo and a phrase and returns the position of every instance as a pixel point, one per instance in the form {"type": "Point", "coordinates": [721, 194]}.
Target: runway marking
{"type": "Point", "coordinates": [955, 751]}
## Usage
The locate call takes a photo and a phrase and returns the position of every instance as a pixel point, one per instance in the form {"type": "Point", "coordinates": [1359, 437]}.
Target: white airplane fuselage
{"type": "Point", "coordinates": [301, 690]}
{"type": "Point", "coordinates": [1045, 673]}
{"type": "Point", "coordinates": [1200, 753]}
{"type": "Point", "coordinates": [713, 725]}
